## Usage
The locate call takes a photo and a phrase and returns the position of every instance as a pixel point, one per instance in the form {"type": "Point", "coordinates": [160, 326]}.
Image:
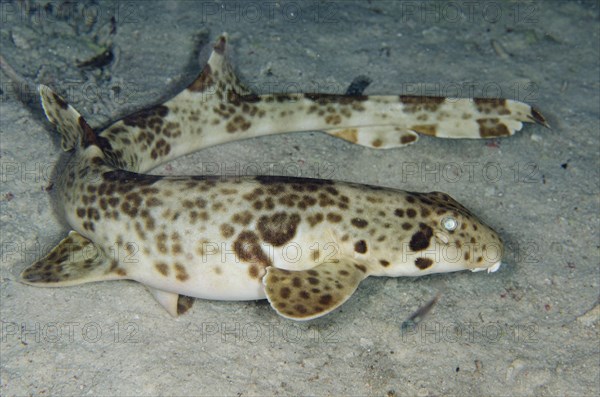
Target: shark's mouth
{"type": "Point", "coordinates": [490, 269]}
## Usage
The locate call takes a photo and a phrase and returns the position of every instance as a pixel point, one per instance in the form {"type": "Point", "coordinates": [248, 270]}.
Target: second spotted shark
{"type": "Point", "coordinates": [217, 108]}
{"type": "Point", "coordinates": [304, 244]}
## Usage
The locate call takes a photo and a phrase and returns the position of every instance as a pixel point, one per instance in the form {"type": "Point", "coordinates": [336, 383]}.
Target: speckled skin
{"type": "Point", "coordinates": [304, 244]}
{"type": "Point", "coordinates": [217, 108]}
{"type": "Point", "coordinates": [215, 238]}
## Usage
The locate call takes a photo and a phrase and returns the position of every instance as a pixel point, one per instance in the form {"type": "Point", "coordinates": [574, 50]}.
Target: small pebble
{"type": "Point", "coordinates": [514, 369]}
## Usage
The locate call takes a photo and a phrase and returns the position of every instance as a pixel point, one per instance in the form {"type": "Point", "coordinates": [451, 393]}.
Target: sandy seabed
{"type": "Point", "coordinates": [529, 329]}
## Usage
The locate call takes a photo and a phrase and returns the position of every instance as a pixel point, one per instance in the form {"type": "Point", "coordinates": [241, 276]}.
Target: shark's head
{"type": "Point", "coordinates": [445, 237]}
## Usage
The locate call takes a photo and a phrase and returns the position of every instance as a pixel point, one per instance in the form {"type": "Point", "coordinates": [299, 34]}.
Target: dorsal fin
{"type": "Point", "coordinates": [73, 128]}
{"type": "Point", "coordinates": [218, 75]}
{"type": "Point", "coordinates": [358, 85]}
{"type": "Point", "coordinates": [174, 128]}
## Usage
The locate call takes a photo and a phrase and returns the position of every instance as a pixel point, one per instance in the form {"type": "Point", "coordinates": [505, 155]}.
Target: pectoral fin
{"type": "Point", "coordinates": [75, 260]}
{"type": "Point", "coordinates": [308, 294]}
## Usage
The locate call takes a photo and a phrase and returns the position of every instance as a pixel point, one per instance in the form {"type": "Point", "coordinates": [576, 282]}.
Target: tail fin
{"type": "Point", "coordinates": [467, 118]}
{"type": "Point", "coordinates": [73, 128]}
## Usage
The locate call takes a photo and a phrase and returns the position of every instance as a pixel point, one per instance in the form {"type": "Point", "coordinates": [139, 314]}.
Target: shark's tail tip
{"type": "Point", "coordinates": [221, 43]}
{"type": "Point", "coordinates": [537, 117]}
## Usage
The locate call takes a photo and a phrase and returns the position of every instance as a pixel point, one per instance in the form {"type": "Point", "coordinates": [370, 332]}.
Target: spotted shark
{"type": "Point", "coordinates": [303, 244]}
{"type": "Point", "coordinates": [217, 108]}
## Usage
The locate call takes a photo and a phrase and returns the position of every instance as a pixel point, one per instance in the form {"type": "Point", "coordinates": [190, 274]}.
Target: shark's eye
{"type": "Point", "coordinates": [449, 223]}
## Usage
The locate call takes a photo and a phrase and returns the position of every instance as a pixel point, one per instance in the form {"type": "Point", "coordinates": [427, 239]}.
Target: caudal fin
{"type": "Point", "coordinates": [467, 118]}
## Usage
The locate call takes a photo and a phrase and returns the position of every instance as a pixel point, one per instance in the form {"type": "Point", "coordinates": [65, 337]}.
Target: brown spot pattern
{"type": "Point", "coordinates": [203, 81]}
{"type": "Point", "coordinates": [294, 293]}
{"type": "Point", "coordinates": [360, 246]}
{"type": "Point", "coordinates": [162, 268]}
{"type": "Point", "coordinates": [359, 223]}
{"type": "Point", "coordinates": [247, 248]}
{"type": "Point", "coordinates": [279, 228]}
{"type": "Point", "coordinates": [423, 263]}
{"type": "Point", "coordinates": [227, 230]}
{"type": "Point", "coordinates": [492, 128]}
{"type": "Point", "coordinates": [243, 218]}
{"type": "Point", "coordinates": [180, 272]}
{"type": "Point", "coordinates": [333, 217]}
{"type": "Point", "coordinates": [413, 104]}
{"type": "Point", "coordinates": [147, 118]}
{"type": "Point", "coordinates": [420, 240]}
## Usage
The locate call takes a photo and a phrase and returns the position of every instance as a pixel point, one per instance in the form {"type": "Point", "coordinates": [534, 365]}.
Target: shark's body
{"type": "Point", "coordinates": [304, 244]}
{"type": "Point", "coordinates": [217, 108]}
